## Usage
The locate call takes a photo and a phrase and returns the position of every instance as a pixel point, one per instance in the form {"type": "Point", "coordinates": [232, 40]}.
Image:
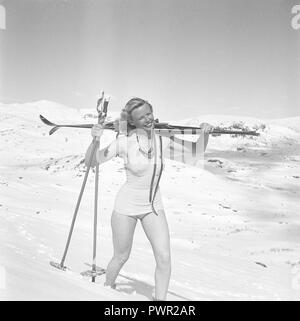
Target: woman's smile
{"type": "Point", "coordinates": [149, 124]}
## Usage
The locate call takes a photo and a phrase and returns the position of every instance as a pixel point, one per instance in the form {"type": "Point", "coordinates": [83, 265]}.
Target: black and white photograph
{"type": "Point", "coordinates": [150, 151]}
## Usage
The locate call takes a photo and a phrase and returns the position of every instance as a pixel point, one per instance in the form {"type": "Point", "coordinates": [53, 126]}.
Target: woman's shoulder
{"type": "Point", "coordinates": [124, 139]}
{"type": "Point", "coordinates": [123, 142]}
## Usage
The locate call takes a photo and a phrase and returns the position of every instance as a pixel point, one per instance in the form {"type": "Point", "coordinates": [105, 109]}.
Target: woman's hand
{"type": "Point", "coordinates": [206, 128]}
{"type": "Point", "coordinates": [97, 130]}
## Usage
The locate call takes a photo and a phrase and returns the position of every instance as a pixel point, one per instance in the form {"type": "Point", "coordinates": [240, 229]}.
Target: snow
{"type": "Point", "coordinates": [234, 222]}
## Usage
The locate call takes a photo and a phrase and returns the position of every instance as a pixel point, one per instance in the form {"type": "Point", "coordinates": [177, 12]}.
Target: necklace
{"type": "Point", "coordinates": [149, 153]}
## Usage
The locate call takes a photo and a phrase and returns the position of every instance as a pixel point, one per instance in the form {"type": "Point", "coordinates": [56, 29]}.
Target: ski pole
{"type": "Point", "coordinates": [61, 265]}
{"type": "Point", "coordinates": [94, 148]}
{"type": "Point", "coordinates": [95, 224]}
{"type": "Point", "coordinates": [101, 115]}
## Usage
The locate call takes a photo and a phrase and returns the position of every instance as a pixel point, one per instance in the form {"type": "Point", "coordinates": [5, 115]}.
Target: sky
{"type": "Point", "coordinates": [186, 57]}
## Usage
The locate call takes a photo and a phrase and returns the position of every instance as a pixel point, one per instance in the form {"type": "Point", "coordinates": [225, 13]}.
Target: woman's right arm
{"type": "Point", "coordinates": [114, 149]}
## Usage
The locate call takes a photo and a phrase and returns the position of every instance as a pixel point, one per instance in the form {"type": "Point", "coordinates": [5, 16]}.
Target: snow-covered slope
{"type": "Point", "coordinates": [234, 223]}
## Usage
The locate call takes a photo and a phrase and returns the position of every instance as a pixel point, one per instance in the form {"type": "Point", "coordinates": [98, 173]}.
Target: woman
{"type": "Point", "coordinates": [139, 197]}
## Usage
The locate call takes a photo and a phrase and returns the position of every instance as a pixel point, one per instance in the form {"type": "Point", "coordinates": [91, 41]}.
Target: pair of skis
{"type": "Point", "coordinates": [158, 127]}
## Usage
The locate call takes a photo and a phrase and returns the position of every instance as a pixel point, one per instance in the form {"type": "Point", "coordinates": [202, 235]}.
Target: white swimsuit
{"type": "Point", "coordinates": [133, 198]}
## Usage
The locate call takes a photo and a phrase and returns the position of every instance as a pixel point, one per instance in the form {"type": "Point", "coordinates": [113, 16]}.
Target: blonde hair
{"type": "Point", "coordinates": [125, 115]}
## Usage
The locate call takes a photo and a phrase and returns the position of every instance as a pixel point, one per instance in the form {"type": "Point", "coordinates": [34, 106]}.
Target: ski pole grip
{"type": "Point", "coordinates": [105, 106]}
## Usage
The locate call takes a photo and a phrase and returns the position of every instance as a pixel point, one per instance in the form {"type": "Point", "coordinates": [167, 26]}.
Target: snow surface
{"type": "Point", "coordinates": [234, 222]}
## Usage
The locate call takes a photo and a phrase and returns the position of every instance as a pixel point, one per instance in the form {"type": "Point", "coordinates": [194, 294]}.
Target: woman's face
{"type": "Point", "coordinates": [142, 117]}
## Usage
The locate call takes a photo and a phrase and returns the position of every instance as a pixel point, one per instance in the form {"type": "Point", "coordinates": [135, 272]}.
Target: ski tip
{"type": "Point", "coordinates": [46, 121]}
{"type": "Point", "coordinates": [53, 130]}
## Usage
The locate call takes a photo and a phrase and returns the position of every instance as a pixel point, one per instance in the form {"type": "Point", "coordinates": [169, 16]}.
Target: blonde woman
{"type": "Point", "coordinates": [139, 198]}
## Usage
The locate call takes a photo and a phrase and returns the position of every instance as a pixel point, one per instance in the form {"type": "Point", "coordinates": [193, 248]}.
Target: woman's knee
{"type": "Point", "coordinates": [163, 258]}
{"type": "Point", "coordinates": [122, 257]}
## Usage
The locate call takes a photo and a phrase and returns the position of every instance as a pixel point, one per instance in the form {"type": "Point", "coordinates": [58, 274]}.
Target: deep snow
{"type": "Point", "coordinates": [234, 223]}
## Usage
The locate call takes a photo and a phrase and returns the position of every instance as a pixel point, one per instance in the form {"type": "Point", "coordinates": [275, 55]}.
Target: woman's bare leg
{"type": "Point", "coordinates": [157, 231]}
{"type": "Point", "coordinates": [122, 232]}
